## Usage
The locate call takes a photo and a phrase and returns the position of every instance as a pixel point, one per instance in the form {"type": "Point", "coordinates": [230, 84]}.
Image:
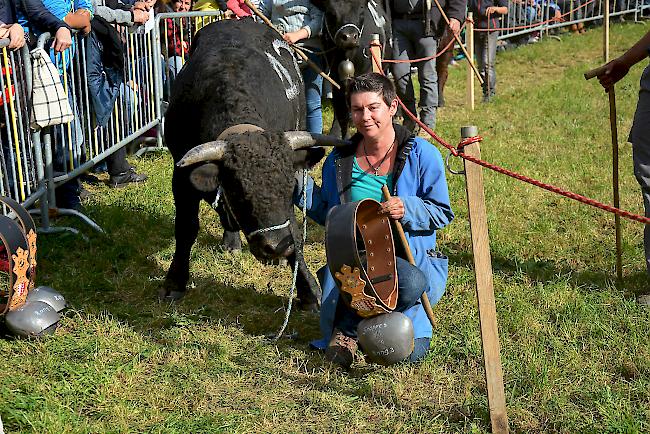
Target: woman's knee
{"type": "Point", "coordinates": [420, 350]}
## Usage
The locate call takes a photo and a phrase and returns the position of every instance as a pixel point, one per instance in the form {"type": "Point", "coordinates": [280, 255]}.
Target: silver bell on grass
{"type": "Point", "coordinates": [47, 295]}
{"type": "Point", "coordinates": [346, 70]}
{"type": "Point", "coordinates": [387, 338]}
{"type": "Point", "coordinates": [34, 318]}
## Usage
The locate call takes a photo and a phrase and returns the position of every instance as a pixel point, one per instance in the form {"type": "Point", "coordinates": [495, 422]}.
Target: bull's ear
{"type": "Point", "coordinates": [307, 158]}
{"type": "Point", "coordinates": [204, 177]}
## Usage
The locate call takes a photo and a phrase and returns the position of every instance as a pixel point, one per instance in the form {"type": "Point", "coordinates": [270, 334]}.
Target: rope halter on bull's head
{"type": "Point", "coordinates": [346, 43]}
{"type": "Point", "coordinates": [214, 151]}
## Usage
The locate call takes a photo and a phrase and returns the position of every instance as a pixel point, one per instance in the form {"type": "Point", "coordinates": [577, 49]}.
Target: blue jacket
{"type": "Point", "coordinates": [293, 15]}
{"type": "Point", "coordinates": [422, 187]}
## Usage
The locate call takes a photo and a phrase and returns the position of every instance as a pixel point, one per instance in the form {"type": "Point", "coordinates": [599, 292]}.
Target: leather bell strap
{"type": "Point", "coordinates": [14, 294]}
{"type": "Point", "coordinates": [370, 286]}
{"type": "Point", "coordinates": [26, 222]}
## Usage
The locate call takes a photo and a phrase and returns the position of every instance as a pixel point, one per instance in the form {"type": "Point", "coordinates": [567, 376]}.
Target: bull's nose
{"type": "Point", "coordinates": [271, 248]}
{"type": "Point", "coordinates": [348, 39]}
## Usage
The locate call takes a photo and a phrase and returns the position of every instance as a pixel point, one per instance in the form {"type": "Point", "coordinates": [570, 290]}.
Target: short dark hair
{"type": "Point", "coordinates": [373, 82]}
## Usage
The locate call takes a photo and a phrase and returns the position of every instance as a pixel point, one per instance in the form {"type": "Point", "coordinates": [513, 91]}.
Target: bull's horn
{"type": "Point", "coordinates": [302, 139]}
{"type": "Point", "coordinates": [210, 151]}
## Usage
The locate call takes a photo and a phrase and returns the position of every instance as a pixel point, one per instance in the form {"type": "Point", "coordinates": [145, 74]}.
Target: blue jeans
{"type": "Point", "coordinates": [411, 284]}
{"type": "Point", "coordinates": [313, 93]}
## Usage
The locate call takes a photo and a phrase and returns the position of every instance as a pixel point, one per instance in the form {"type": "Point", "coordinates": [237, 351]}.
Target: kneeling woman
{"type": "Point", "coordinates": [384, 153]}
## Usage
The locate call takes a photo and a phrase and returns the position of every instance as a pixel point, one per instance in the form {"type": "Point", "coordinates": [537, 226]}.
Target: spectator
{"type": "Point", "coordinates": [58, 17]}
{"type": "Point", "coordinates": [415, 32]}
{"type": "Point", "coordinates": [239, 8]}
{"type": "Point", "coordinates": [640, 132]}
{"type": "Point", "coordinates": [9, 28]}
{"type": "Point", "coordinates": [177, 31]}
{"type": "Point", "coordinates": [486, 16]}
{"type": "Point", "coordinates": [300, 22]}
{"type": "Point", "coordinates": [42, 20]}
{"type": "Point", "coordinates": [210, 5]}
{"type": "Point", "coordinates": [105, 70]}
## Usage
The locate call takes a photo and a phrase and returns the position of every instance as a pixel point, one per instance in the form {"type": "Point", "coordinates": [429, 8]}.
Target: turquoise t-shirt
{"type": "Point", "coordinates": [366, 185]}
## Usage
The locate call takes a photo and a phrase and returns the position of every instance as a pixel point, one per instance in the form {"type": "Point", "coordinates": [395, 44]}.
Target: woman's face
{"type": "Point", "coordinates": [182, 5]}
{"type": "Point", "coordinates": [371, 115]}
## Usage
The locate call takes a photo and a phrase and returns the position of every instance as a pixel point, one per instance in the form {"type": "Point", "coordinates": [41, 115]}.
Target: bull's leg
{"type": "Point", "coordinates": [309, 293]}
{"type": "Point", "coordinates": [341, 112]}
{"type": "Point", "coordinates": [186, 228]}
{"type": "Point", "coordinates": [231, 239]}
{"type": "Point", "coordinates": [442, 68]}
{"type": "Point", "coordinates": [335, 130]}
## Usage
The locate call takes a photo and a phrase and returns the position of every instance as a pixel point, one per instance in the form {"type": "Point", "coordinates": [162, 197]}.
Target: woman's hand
{"type": "Point", "coordinates": [293, 37]}
{"type": "Point", "coordinates": [394, 207]}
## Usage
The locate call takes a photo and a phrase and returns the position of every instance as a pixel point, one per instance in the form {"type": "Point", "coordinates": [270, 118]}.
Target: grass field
{"type": "Point", "coordinates": [574, 346]}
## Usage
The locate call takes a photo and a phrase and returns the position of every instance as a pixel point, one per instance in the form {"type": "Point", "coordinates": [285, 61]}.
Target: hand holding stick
{"type": "Point", "coordinates": [298, 51]}
{"type": "Point", "coordinates": [409, 256]}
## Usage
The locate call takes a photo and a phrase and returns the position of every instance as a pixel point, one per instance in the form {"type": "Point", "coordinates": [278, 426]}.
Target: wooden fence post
{"type": "Point", "coordinates": [375, 51]}
{"type": "Point", "coordinates": [484, 286]}
{"type": "Point", "coordinates": [469, 41]}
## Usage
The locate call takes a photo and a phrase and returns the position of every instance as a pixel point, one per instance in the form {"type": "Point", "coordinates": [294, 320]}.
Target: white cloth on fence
{"type": "Point", "coordinates": [50, 105]}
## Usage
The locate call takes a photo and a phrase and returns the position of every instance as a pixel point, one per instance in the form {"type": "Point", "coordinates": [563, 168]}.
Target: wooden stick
{"type": "Point", "coordinates": [457, 38]}
{"type": "Point", "coordinates": [298, 51]}
{"type": "Point", "coordinates": [615, 184]}
{"type": "Point", "coordinates": [595, 72]}
{"type": "Point", "coordinates": [484, 285]}
{"type": "Point", "coordinates": [469, 37]}
{"type": "Point", "coordinates": [617, 219]}
{"type": "Point", "coordinates": [606, 31]}
{"type": "Point", "coordinates": [409, 256]}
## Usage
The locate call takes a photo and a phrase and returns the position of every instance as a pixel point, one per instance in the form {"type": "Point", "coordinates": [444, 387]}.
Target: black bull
{"type": "Point", "coordinates": [240, 74]}
{"type": "Point", "coordinates": [348, 27]}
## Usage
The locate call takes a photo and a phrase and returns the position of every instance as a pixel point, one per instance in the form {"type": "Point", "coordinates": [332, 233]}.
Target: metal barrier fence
{"type": "Point", "coordinates": [81, 144]}
{"type": "Point", "coordinates": [21, 161]}
{"type": "Point", "coordinates": [173, 33]}
{"type": "Point", "coordinates": [526, 17]}
{"type": "Point", "coordinates": [33, 163]}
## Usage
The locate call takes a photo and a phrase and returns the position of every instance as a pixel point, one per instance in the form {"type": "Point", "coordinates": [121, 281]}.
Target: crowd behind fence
{"type": "Point", "coordinates": [36, 161]}
{"type": "Point", "coordinates": [537, 17]}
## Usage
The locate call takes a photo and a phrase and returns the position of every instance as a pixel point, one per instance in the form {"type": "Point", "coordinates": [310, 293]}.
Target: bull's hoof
{"type": "Point", "coordinates": [167, 296]}
{"type": "Point", "coordinates": [309, 302]}
{"type": "Point", "coordinates": [312, 307]}
{"type": "Point", "coordinates": [170, 292]}
{"type": "Point", "coordinates": [231, 242]}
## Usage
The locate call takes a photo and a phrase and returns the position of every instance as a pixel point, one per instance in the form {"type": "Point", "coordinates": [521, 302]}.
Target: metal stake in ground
{"type": "Point", "coordinates": [615, 189]}
{"type": "Point", "coordinates": [297, 50]}
{"type": "Point", "coordinates": [409, 256]}
{"type": "Point", "coordinates": [484, 285]}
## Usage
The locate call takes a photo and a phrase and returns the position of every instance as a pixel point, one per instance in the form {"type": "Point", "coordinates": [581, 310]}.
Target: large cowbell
{"type": "Point", "coordinates": [49, 296]}
{"type": "Point", "coordinates": [34, 318]}
{"type": "Point", "coordinates": [39, 315]}
{"type": "Point", "coordinates": [387, 339]}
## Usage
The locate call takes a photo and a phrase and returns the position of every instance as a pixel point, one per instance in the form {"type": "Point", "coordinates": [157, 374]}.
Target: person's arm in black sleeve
{"type": "Point", "coordinates": [456, 9]}
{"type": "Point", "coordinates": [41, 16]}
{"type": "Point", "coordinates": [117, 5]}
{"type": "Point", "coordinates": [222, 5]}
